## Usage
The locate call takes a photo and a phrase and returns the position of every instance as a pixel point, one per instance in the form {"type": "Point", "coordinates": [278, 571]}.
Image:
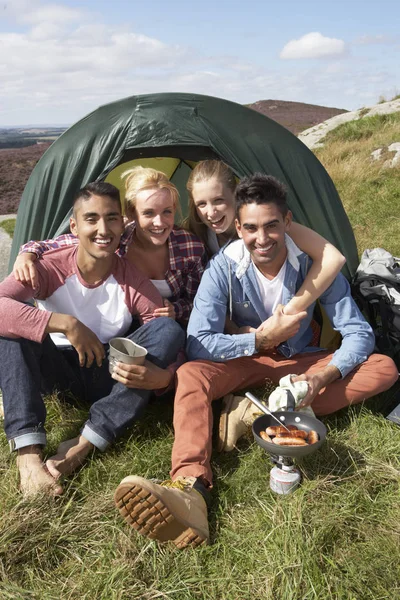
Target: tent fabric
{"type": "Point", "coordinates": [190, 128]}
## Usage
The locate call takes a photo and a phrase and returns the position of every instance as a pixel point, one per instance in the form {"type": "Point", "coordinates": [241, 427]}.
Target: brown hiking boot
{"type": "Point", "coordinates": [171, 511]}
{"type": "Point", "coordinates": [237, 416]}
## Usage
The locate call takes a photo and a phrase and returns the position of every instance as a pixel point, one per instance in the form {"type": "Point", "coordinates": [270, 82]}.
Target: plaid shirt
{"type": "Point", "coordinates": [187, 261]}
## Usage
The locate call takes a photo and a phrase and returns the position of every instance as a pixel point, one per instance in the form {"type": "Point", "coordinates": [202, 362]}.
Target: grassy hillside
{"type": "Point", "coordinates": [370, 191]}
{"type": "Point", "coordinates": [337, 537]}
{"type": "Point", "coordinates": [9, 226]}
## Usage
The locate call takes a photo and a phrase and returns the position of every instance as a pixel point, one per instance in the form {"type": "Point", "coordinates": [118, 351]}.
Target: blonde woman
{"type": "Point", "coordinates": [211, 187]}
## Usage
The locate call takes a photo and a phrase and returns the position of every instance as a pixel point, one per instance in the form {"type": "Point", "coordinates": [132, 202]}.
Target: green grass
{"type": "Point", "coordinates": [9, 226]}
{"type": "Point", "coordinates": [361, 129]}
{"type": "Point", "coordinates": [337, 537]}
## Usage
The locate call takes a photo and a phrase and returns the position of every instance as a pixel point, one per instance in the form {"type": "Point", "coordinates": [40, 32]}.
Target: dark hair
{"type": "Point", "coordinates": [261, 189]}
{"type": "Point", "coordinates": [97, 188]}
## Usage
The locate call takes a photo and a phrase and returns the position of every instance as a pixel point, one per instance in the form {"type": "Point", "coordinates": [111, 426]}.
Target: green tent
{"type": "Point", "coordinates": [172, 132]}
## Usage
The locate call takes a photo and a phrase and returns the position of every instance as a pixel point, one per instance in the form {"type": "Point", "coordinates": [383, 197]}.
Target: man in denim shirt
{"type": "Point", "coordinates": [249, 281]}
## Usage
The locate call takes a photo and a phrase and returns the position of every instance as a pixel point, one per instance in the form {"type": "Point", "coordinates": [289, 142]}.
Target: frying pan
{"type": "Point", "coordinates": [289, 418]}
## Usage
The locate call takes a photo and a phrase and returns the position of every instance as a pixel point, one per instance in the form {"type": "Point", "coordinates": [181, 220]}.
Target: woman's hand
{"type": "Point", "coordinates": [24, 269]}
{"type": "Point", "coordinates": [246, 329]}
{"type": "Point", "coordinates": [167, 311]}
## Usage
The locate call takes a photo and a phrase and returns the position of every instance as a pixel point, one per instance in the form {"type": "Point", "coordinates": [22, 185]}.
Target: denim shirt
{"type": "Point", "coordinates": [229, 287]}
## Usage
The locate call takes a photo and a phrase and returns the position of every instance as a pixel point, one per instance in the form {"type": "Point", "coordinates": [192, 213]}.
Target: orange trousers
{"type": "Point", "coordinates": [200, 382]}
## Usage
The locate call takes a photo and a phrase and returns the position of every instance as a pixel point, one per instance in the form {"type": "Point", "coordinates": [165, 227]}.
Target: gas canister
{"type": "Point", "coordinates": [284, 479]}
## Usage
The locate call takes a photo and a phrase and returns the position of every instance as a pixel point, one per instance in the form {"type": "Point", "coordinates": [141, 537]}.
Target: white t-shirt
{"type": "Point", "coordinates": [163, 287]}
{"type": "Point", "coordinates": [271, 289]}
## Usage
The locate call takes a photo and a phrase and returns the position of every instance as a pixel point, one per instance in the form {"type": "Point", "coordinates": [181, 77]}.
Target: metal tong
{"type": "Point", "coordinates": [264, 409]}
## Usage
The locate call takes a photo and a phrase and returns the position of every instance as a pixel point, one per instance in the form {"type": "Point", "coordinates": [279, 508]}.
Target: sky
{"type": "Point", "coordinates": [59, 61]}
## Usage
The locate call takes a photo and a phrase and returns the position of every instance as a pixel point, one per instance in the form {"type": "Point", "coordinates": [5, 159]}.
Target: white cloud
{"type": "Point", "coordinates": [366, 40]}
{"type": "Point", "coordinates": [313, 45]}
{"type": "Point", "coordinates": [46, 31]}
{"type": "Point", "coordinates": [15, 10]}
{"type": "Point", "coordinates": [91, 50]}
{"type": "Point", "coordinates": [37, 13]}
{"type": "Point", "coordinates": [334, 68]}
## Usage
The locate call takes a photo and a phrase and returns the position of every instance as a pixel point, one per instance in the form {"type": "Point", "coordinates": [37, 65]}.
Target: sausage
{"type": "Point", "coordinates": [313, 437]}
{"type": "Point", "coordinates": [275, 429]}
{"type": "Point", "coordinates": [265, 437]}
{"type": "Point", "coordinates": [289, 441]}
{"type": "Point", "coordinates": [299, 433]}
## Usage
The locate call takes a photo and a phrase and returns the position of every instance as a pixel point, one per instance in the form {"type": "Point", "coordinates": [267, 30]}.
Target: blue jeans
{"type": "Point", "coordinates": [29, 369]}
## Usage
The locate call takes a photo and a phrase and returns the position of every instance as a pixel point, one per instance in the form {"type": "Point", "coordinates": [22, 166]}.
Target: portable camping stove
{"type": "Point", "coordinates": [285, 476]}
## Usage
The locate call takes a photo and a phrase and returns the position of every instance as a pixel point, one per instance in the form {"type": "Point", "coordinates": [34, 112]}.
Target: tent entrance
{"type": "Point", "coordinates": [175, 161]}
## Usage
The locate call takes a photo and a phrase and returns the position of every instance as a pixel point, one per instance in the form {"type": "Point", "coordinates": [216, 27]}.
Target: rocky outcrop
{"type": "Point", "coordinates": [381, 154]}
{"type": "Point", "coordinates": [313, 137]}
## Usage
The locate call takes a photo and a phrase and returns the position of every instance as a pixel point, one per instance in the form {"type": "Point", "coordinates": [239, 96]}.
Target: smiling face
{"type": "Point", "coordinates": [97, 222]}
{"type": "Point", "coordinates": [154, 214]}
{"type": "Point", "coordinates": [262, 228]}
{"type": "Point", "coordinates": [215, 205]}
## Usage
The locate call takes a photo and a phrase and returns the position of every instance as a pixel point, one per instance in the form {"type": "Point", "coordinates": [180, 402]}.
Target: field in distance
{"type": "Point", "coordinates": [20, 137]}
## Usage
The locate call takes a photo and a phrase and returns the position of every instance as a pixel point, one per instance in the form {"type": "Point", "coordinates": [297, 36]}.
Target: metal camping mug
{"type": "Point", "coordinates": [125, 351]}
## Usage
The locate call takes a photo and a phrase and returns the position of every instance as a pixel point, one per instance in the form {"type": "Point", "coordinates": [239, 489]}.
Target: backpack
{"type": "Point", "coordinates": [376, 289]}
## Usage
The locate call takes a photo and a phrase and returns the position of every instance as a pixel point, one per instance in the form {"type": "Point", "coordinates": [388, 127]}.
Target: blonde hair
{"type": "Point", "coordinates": [145, 178]}
{"type": "Point", "coordinates": [204, 171]}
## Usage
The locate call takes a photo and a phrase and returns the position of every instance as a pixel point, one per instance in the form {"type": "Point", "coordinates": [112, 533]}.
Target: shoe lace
{"type": "Point", "coordinates": [180, 485]}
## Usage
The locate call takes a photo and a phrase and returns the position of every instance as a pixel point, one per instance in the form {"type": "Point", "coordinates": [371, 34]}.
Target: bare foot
{"type": "Point", "coordinates": [34, 475]}
{"type": "Point", "coordinates": [70, 455]}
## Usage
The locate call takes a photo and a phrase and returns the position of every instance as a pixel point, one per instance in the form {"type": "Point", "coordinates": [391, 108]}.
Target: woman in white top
{"type": "Point", "coordinates": [211, 188]}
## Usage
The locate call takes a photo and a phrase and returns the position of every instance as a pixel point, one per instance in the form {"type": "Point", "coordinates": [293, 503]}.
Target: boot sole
{"type": "Point", "coordinates": [151, 517]}
{"type": "Point", "coordinates": [223, 424]}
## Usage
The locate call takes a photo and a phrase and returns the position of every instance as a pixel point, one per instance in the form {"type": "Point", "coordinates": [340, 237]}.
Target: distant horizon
{"type": "Point", "coordinates": [36, 126]}
{"type": "Point", "coordinates": [66, 126]}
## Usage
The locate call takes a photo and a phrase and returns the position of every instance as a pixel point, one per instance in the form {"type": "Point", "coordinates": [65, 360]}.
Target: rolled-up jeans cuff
{"type": "Point", "coordinates": [94, 438]}
{"type": "Point", "coordinates": [36, 438]}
